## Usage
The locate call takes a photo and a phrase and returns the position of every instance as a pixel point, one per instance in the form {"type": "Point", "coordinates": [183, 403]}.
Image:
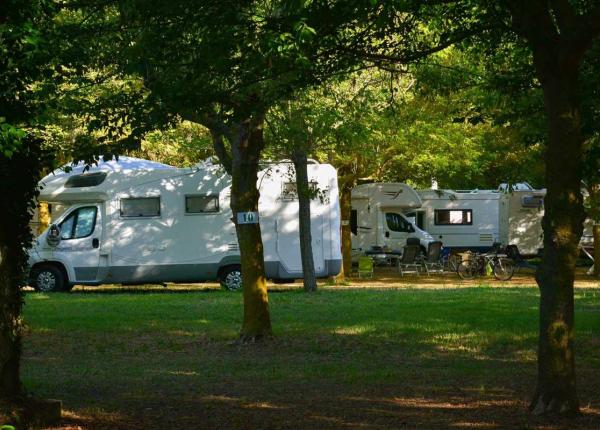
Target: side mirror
{"type": "Point", "coordinates": [53, 236]}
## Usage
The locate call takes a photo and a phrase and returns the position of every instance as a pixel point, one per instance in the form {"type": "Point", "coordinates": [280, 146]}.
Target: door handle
{"type": "Point", "coordinates": [95, 243]}
{"type": "Point", "coordinates": [387, 234]}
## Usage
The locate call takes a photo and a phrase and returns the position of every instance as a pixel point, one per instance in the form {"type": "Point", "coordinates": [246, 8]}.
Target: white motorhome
{"type": "Point", "coordinates": [136, 221]}
{"type": "Point", "coordinates": [462, 219]}
{"type": "Point", "coordinates": [479, 218]}
{"type": "Point", "coordinates": [377, 219]}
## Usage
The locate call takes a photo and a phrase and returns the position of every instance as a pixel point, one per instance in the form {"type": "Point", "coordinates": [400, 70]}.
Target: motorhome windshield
{"type": "Point", "coordinates": [85, 180]}
{"type": "Point", "coordinates": [397, 222]}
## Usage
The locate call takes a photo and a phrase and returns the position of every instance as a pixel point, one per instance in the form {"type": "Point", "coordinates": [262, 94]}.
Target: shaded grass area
{"type": "Point", "coordinates": [342, 358]}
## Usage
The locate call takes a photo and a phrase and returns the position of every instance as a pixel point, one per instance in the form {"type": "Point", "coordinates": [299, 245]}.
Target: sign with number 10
{"type": "Point", "coordinates": [247, 218]}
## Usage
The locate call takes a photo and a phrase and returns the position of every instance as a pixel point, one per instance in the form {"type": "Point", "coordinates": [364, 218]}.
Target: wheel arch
{"type": "Point", "coordinates": [224, 268]}
{"type": "Point", "coordinates": [60, 266]}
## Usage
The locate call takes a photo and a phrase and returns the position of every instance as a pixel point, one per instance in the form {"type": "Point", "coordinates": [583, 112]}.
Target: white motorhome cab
{"type": "Point", "coordinates": [136, 221]}
{"type": "Point", "coordinates": [377, 219]}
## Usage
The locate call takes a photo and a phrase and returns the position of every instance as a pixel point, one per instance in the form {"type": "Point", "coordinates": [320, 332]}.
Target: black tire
{"type": "Point", "coordinates": [467, 269]}
{"type": "Point", "coordinates": [47, 278]}
{"type": "Point", "coordinates": [504, 269]}
{"type": "Point", "coordinates": [231, 278]}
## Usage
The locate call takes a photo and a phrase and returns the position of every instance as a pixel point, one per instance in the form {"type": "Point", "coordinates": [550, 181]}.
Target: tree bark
{"type": "Point", "coordinates": [563, 225]}
{"type": "Point", "coordinates": [246, 149]}
{"type": "Point", "coordinates": [345, 211]}
{"type": "Point", "coordinates": [304, 197]}
{"type": "Point", "coordinates": [10, 329]}
{"type": "Point", "coordinates": [596, 250]}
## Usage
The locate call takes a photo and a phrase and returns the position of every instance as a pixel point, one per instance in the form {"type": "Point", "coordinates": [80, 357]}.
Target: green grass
{"type": "Point", "coordinates": [170, 358]}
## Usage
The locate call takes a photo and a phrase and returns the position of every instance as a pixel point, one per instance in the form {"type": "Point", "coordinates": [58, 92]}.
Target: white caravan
{"type": "Point", "coordinates": [477, 219]}
{"type": "Point", "coordinates": [377, 219]}
{"type": "Point", "coordinates": [136, 221]}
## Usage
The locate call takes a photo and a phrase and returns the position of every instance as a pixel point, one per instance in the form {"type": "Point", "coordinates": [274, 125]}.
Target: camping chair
{"type": "Point", "coordinates": [409, 263]}
{"type": "Point", "coordinates": [433, 260]}
{"type": "Point", "coordinates": [365, 267]}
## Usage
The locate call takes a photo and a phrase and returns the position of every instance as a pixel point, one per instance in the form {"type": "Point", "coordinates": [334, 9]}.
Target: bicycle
{"type": "Point", "coordinates": [502, 267]}
{"type": "Point", "coordinates": [452, 261]}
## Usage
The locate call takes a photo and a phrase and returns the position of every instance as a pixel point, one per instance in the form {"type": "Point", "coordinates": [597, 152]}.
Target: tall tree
{"type": "Point", "coordinates": [20, 167]}
{"type": "Point", "coordinates": [559, 34]}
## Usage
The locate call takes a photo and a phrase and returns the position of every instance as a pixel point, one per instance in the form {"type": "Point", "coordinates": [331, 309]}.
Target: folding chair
{"type": "Point", "coordinates": [365, 267]}
{"type": "Point", "coordinates": [433, 260]}
{"type": "Point", "coordinates": [409, 263]}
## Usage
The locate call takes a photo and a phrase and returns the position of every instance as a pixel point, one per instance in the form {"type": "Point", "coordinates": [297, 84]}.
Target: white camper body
{"type": "Point", "coordinates": [477, 219]}
{"type": "Point", "coordinates": [135, 221]}
{"type": "Point", "coordinates": [377, 218]}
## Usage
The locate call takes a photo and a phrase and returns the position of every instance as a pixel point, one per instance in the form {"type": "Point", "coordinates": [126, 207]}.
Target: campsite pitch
{"type": "Point", "coordinates": [371, 355]}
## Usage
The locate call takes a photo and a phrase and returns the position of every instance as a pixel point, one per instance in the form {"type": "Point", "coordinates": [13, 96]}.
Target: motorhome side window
{"type": "Point", "coordinates": [396, 222]}
{"type": "Point", "coordinates": [354, 221]}
{"type": "Point", "coordinates": [79, 223]}
{"type": "Point", "coordinates": [453, 217]}
{"type": "Point", "coordinates": [201, 204]}
{"type": "Point", "coordinates": [133, 207]}
{"type": "Point", "coordinates": [532, 202]}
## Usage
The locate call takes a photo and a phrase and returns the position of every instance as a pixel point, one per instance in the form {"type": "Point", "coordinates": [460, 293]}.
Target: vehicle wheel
{"type": "Point", "coordinates": [231, 278]}
{"type": "Point", "coordinates": [504, 269]}
{"type": "Point", "coordinates": [467, 269]}
{"type": "Point", "coordinates": [48, 278]}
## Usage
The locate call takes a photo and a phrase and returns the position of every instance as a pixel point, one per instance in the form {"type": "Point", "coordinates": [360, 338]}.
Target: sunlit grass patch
{"type": "Point", "coordinates": [338, 353]}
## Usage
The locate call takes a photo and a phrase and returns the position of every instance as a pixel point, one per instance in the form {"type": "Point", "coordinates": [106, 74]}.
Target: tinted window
{"type": "Point", "coordinates": [80, 223]}
{"type": "Point", "coordinates": [85, 180]}
{"type": "Point", "coordinates": [140, 207]}
{"type": "Point", "coordinates": [532, 201]}
{"type": "Point", "coordinates": [396, 222]}
{"type": "Point", "coordinates": [201, 204]}
{"type": "Point", "coordinates": [453, 217]}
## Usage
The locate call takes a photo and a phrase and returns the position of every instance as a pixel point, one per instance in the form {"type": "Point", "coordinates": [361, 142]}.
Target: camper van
{"type": "Point", "coordinates": [462, 220]}
{"type": "Point", "coordinates": [134, 221]}
{"type": "Point", "coordinates": [378, 220]}
{"type": "Point", "coordinates": [476, 219]}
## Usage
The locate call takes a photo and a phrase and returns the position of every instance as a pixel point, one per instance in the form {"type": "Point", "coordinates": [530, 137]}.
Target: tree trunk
{"type": "Point", "coordinates": [563, 226]}
{"type": "Point", "coordinates": [346, 209]}
{"type": "Point", "coordinates": [10, 329]}
{"type": "Point", "coordinates": [246, 149]}
{"type": "Point", "coordinates": [596, 249]}
{"type": "Point", "coordinates": [304, 197]}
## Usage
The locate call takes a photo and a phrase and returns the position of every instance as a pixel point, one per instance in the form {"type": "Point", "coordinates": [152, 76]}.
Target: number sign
{"type": "Point", "coordinates": [247, 218]}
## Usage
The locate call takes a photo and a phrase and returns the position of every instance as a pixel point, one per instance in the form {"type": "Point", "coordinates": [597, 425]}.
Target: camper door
{"type": "Point", "coordinates": [79, 246]}
{"type": "Point", "coordinates": [288, 242]}
{"type": "Point", "coordinates": [396, 229]}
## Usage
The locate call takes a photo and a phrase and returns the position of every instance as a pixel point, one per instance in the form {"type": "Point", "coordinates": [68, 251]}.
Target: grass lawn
{"type": "Point", "coordinates": [364, 358]}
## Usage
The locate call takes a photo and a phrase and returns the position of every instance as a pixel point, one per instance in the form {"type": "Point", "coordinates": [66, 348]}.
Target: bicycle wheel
{"type": "Point", "coordinates": [453, 262]}
{"type": "Point", "coordinates": [467, 269]}
{"type": "Point", "coordinates": [504, 269]}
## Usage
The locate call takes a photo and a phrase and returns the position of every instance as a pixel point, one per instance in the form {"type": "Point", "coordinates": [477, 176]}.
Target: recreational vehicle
{"type": "Point", "coordinates": [377, 219]}
{"type": "Point", "coordinates": [479, 218]}
{"type": "Point", "coordinates": [462, 219]}
{"type": "Point", "coordinates": [136, 221]}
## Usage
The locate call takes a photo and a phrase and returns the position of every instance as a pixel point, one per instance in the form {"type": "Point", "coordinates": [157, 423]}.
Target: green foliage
{"type": "Point", "coordinates": [184, 145]}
